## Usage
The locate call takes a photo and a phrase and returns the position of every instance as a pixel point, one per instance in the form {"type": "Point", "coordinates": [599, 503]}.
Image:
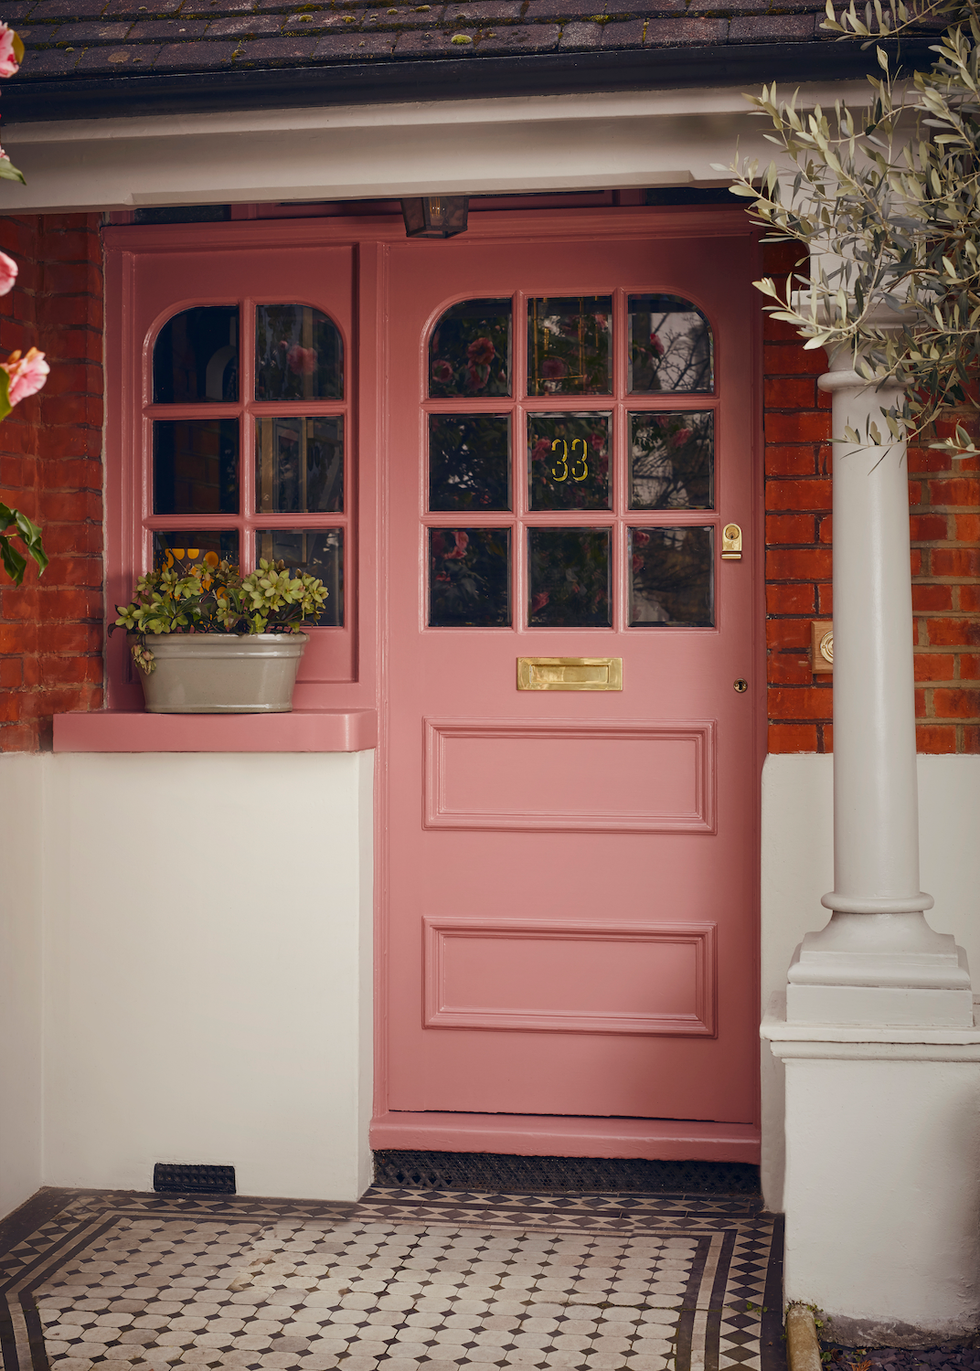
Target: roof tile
{"type": "Point", "coordinates": [158, 8]}
{"type": "Point", "coordinates": [67, 9]}
{"type": "Point", "coordinates": [246, 26]}
{"type": "Point", "coordinates": [628, 34]}
{"type": "Point", "coordinates": [316, 23]}
{"type": "Point", "coordinates": [405, 16]}
{"type": "Point", "coordinates": [521, 38]}
{"type": "Point", "coordinates": [264, 50]}
{"type": "Point", "coordinates": [564, 9]}
{"type": "Point", "coordinates": [81, 34]}
{"type": "Point", "coordinates": [195, 56]}
{"type": "Point", "coordinates": [120, 57]}
{"type": "Point", "coordinates": [581, 34]}
{"type": "Point", "coordinates": [336, 46]}
{"type": "Point", "coordinates": [173, 29]}
{"type": "Point", "coordinates": [483, 9]}
{"type": "Point", "coordinates": [773, 28]}
{"type": "Point", "coordinates": [679, 33]}
{"type": "Point", "coordinates": [54, 62]}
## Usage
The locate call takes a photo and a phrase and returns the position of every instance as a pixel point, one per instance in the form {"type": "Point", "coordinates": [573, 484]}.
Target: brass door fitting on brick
{"type": "Point", "coordinates": [822, 645]}
{"type": "Point", "coordinates": [569, 673]}
{"type": "Point", "coordinates": [731, 543]}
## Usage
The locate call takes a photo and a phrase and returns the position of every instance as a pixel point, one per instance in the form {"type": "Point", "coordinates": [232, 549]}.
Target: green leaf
{"type": "Point", "coordinates": [5, 405]}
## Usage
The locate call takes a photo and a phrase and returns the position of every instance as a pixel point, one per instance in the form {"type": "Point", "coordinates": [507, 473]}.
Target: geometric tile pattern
{"type": "Point", "coordinates": [400, 1281]}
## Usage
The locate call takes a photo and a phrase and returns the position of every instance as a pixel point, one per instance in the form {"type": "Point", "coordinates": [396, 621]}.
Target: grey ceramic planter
{"type": "Point", "coordinates": [214, 673]}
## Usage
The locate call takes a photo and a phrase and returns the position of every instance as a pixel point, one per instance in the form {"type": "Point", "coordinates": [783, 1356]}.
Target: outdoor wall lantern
{"type": "Point", "coordinates": [435, 216]}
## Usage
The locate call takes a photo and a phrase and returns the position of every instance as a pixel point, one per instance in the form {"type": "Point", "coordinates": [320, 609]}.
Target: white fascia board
{"type": "Point", "coordinates": [537, 143]}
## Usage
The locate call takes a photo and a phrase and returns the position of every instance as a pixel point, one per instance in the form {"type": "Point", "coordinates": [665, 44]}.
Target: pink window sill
{"type": "Point", "coordinates": [304, 730]}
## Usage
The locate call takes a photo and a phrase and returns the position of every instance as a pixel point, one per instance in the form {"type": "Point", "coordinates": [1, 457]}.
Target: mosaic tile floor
{"type": "Point", "coordinates": [400, 1281]}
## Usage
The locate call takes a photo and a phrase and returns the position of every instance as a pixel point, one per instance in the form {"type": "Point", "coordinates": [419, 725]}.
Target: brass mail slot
{"type": "Point", "coordinates": [569, 673]}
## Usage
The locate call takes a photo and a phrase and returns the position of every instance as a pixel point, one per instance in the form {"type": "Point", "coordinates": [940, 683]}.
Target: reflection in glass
{"type": "Point", "coordinates": [299, 465]}
{"type": "Point", "coordinates": [469, 577]}
{"type": "Point", "coordinates": [195, 466]}
{"type": "Point", "coordinates": [569, 577]}
{"type": "Point", "coordinates": [568, 346]}
{"type": "Point", "coordinates": [469, 351]}
{"type": "Point", "coordinates": [568, 461]}
{"type": "Point", "coordinates": [670, 346]}
{"type": "Point", "coordinates": [671, 576]}
{"type": "Point", "coordinates": [469, 461]}
{"type": "Point", "coordinates": [320, 552]}
{"type": "Point", "coordinates": [299, 354]}
{"type": "Point", "coordinates": [672, 458]}
{"type": "Point", "coordinates": [192, 547]}
{"type": "Point", "coordinates": [195, 357]}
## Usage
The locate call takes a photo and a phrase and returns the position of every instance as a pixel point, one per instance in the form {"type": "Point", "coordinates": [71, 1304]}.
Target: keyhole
{"type": "Point", "coordinates": [741, 686]}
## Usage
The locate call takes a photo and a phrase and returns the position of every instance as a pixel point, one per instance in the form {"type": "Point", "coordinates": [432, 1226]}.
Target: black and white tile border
{"type": "Point", "coordinates": [400, 1281]}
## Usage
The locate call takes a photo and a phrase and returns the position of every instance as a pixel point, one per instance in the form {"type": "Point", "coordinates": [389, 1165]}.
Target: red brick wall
{"type": "Point", "coordinates": [945, 528]}
{"type": "Point", "coordinates": [51, 468]}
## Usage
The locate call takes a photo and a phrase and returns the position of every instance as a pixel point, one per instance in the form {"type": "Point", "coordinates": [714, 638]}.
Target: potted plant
{"type": "Point", "coordinates": [208, 640]}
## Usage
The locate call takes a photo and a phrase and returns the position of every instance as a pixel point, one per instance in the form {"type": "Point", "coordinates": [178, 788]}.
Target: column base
{"type": "Point", "coordinates": [882, 1193]}
{"type": "Point", "coordinates": [878, 1005]}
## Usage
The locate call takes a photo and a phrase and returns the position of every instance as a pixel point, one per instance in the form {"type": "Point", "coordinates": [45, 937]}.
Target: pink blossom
{"type": "Point", "coordinates": [8, 61]}
{"type": "Point", "coordinates": [302, 361]}
{"type": "Point", "coordinates": [539, 601]}
{"type": "Point", "coordinates": [8, 273]}
{"type": "Point", "coordinates": [541, 449]}
{"type": "Point", "coordinates": [640, 538]}
{"type": "Point", "coordinates": [442, 372]}
{"type": "Point", "coordinates": [462, 540]}
{"type": "Point", "coordinates": [27, 374]}
{"type": "Point", "coordinates": [481, 352]}
{"type": "Point", "coordinates": [553, 368]}
{"type": "Point", "coordinates": [657, 345]}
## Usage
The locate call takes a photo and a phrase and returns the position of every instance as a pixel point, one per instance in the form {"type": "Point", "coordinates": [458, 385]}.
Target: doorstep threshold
{"type": "Point", "coordinates": [300, 730]}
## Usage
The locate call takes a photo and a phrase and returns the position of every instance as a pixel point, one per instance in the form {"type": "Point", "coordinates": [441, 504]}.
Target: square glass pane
{"type": "Point", "coordinates": [469, 577]}
{"type": "Point", "coordinates": [469, 351]}
{"type": "Point", "coordinates": [568, 461]}
{"type": "Point", "coordinates": [193, 547]}
{"type": "Point", "coordinates": [195, 356]}
{"type": "Point", "coordinates": [568, 584]}
{"type": "Point", "coordinates": [672, 577]}
{"type": "Point", "coordinates": [469, 461]}
{"type": "Point", "coordinates": [299, 354]}
{"type": "Point", "coordinates": [299, 465]}
{"type": "Point", "coordinates": [319, 552]}
{"type": "Point", "coordinates": [672, 460]}
{"type": "Point", "coordinates": [670, 346]}
{"type": "Point", "coordinates": [568, 349]}
{"type": "Point", "coordinates": [195, 466]}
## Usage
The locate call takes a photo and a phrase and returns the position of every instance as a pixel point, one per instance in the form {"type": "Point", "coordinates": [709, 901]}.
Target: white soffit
{"type": "Point", "coordinates": [536, 143]}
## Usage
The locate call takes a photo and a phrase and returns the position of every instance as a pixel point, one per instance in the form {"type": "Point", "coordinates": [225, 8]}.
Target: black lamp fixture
{"type": "Point", "coordinates": [435, 216]}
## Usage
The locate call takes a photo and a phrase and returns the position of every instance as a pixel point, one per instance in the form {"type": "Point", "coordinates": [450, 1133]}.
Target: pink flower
{"type": "Point", "coordinates": [681, 437]}
{"type": "Point", "coordinates": [8, 61]}
{"type": "Point", "coordinates": [637, 562]}
{"type": "Point", "coordinates": [8, 274]}
{"type": "Point", "coordinates": [481, 352]}
{"type": "Point", "coordinates": [302, 361]}
{"type": "Point", "coordinates": [442, 372]}
{"type": "Point", "coordinates": [462, 540]}
{"type": "Point", "coordinates": [541, 450]}
{"type": "Point", "coordinates": [640, 539]}
{"type": "Point", "coordinates": [657, 345]}
{"type": "Point", "coordinates": [539, 601]}
{"type": "Point", "coordinates": [553, 368]}
{"type": "Point", "coordinates": [27, 374]}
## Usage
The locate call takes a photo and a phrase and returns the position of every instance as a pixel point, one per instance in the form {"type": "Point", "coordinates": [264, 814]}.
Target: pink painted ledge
{"type": "Point", "coordinates": [533, 1136]}
{"type": "Point", "coordinates": [304, 730]}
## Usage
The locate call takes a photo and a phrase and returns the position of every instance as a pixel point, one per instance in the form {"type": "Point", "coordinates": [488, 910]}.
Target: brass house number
{"type": "Point", "coordinates": [578, 470]}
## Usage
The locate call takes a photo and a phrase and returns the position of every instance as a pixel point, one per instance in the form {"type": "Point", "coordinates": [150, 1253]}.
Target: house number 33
{"type": "Point", "coordinates": [579, 467]}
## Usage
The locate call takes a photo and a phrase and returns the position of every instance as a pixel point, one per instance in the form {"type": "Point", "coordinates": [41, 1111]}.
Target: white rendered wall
{"type": "Point", "coordinates": [797, 869]}
{"type": "Point", "coordinates": [208, 971]}
{"type": "Point", "coordinates": [21, 978]}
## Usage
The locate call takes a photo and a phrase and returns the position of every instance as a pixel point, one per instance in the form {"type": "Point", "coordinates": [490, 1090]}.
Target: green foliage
{"type": "Point", "coordinates": [14, 562]}
{"type": "Point", "coordinates": [885, 199]}
{"type": "Point", "coordinates": [213, 597]}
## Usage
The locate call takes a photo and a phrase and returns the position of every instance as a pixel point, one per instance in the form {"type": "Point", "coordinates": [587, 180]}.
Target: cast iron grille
{"type": "Point", "coordinates": [500, 1174]}
{"type": "Point", "coordinates": [194, 1180]}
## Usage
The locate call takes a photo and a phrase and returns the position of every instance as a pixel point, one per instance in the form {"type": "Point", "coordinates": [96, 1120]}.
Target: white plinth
{"type": "Point", "coordinates": [882, 1191]}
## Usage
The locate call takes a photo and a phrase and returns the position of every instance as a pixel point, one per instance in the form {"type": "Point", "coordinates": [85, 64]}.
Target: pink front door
{"type": "Point", "coordinates": [571, 872]}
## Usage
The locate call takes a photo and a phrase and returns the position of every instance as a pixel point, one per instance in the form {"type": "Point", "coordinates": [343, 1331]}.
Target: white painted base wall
{"type": "Point", "coordinates": [206, 970]}
{"type": "Point", "coordinates": [797, 869]}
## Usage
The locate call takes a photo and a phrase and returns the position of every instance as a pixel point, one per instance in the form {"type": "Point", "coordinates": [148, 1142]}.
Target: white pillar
{"type": "Point", "coordinates": [882, 1186]}
{"type": "Point", "coordinates": [877, 961]}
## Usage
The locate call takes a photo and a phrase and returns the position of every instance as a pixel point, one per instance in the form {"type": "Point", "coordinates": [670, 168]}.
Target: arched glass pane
{"type": "Point", "coordinates": [299, 354]}
{"type": "Point", "coordinates": [469, 351]}
{"type": "Point", "coordinates": [195, 357]}
{"type": "Point", "coordinates": [671, 347]}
